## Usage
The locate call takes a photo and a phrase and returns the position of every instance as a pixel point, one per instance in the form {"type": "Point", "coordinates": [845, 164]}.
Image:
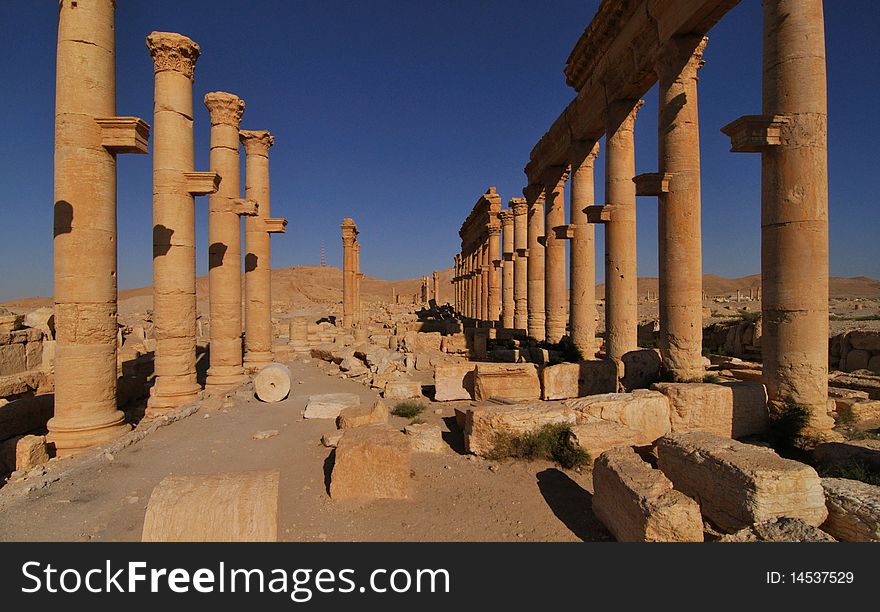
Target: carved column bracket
{"type": "Point", "coordinates": [755, 133]}
{"type": "Point", "coordinates": [124, 134]}
{"type": "Point", "coordinates": [202, 183]}
{"type": "Point", "coordinates": [652, 184]}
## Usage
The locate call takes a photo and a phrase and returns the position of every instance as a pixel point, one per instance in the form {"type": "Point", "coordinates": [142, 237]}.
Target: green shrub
{"type": "Point", "coordinates": [408, 410]}
{"type": "Point", "coordinates": [548, 442]}
{"type": "Point", "coordinates": [786, 425]}
{"type": "Point", "coordinates": [711, 377]}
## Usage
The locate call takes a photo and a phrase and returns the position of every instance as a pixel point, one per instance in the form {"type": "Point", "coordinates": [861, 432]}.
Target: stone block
{"type": "Point", "coordinates": [781, 529]}
{"type": "Point", "coordinates": [596, 437]}
{"type": "Point", "coordinates": [454, 381]}
{"type": "Point", "coordinates": [30, 451]}
{"type": "Point", "coordinates": [838, 454]}
{"type": "Point", "coordinates": [638, 503]}
{"type": "Point", "coordinates": [738, 485]}
{"type": "Point", "coordinates": [641, 369]}
{"type": "Point", "coordinates": [361, 416]}
{"type": "Point", "coordinates": [425, 438]}
{"type": "Point", "coordinates": [857, 359]}
{"type": "Point", "coordinates": [42, 319]}
{"type": "Point", "coordinates": [34, 355]}
{"type": "Point", "coordinates": [234, 507]}
{"type": "Point", "coordinates": [865, 340]}
{"type": "Point", "coordinates": [861, 413]}
{"type": "Point", "coordinates": [13, 359]}
{"type": "Point", "coordinates": [329, 405]}
{"type": "Point", "coordinates": [644, 411]}
{"type": "Point", "coordinates": [455, 344]}
{"type": "Point", "coordinates": [597, 376]}
{"type": "Point", "coordinates": [371, 463]}
{"type": "Point", "coordinates": [514, 382]}
{"type": "Point", "coordinates": [26, 414]}
{"type": "Point", "coordinates": [484, 425]}
{"type": "Point", "coordinates": [749, 408]}
{"type": "Point", "coordinates": [402, 389]}
{"type": "Point", "coordinates": [699, 407]}
{"type": "Point", "coordinates": [560, 381]}
{"type": "Point", "coordinates": [853, 510]}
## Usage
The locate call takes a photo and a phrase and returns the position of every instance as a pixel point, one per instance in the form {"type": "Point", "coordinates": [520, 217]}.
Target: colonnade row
{"type": "Point", "coordinates": [430, 288]}
{"type": "Point", "coordinates": [791, 137]}
{"type": "Point", "coordinates": [88, 137]}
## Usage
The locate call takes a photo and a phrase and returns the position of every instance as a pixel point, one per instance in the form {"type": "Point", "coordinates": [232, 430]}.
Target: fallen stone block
{"type": "Point", "coordinates": [26, 414]}
{"type": "Point", "coordinates": [839, 454]}
{"type": "Point", "coordinates": [330, 440]}
{"type": "Point", "coordinates": [596, 437]}
{"type": "Point", "coordinates": [699, 407]}
{"type": "Point", "coordinates": [425, 438]}
{"type": "Point", "coordinates": [455, 344]}
{"type": "Point", "coordinates": [402, 389]}
{"type": "Point", "coordinates": [780, 529]}
{"type": "Point", "coordinates": [454, 381]}
{"type": "Point", "coordinates": [641, 369]}
{"type": "Point", "coordinates": [853, 510]}
{"type": "Point", "coordinates": [860, 413]}
{"type": "Point", "coordinates": [597, 376]}
{"type": "Point", "coordinates": [638, 503]}
{"type": "Point", "coordinates": [272, 383]}
{"type": "Point", "coordinates": [738, 485]}
{"type": "Point", "coordinates": [485, 425]}
{"type": "Point", "coordinates": [234, 507]}
{"type": "Point", "coordinates": [644, 411]}
{"type": "Point", "coordinates": [560, 381]}
{"type": "Point", "coordinates": [371, 463]}
{"type": "Point", "coordinates": [361, 416]}
{"type": "Point", "coordinates": [750, 413]}
{"type": "Point", "coordinates": [329, 405]}
{"type": "Point", "coordinates": [514, 382]}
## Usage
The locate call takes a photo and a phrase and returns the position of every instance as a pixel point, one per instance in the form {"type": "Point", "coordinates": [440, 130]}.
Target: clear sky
{"type": "Point", "coordinates": [400, 114]}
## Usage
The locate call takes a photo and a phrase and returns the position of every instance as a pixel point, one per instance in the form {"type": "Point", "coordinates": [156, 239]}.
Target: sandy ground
{"type": "Point", "coordinates": [455, 497]}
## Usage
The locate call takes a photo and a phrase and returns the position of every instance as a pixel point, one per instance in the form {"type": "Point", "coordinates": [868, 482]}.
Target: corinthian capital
{"type": "Point", "coordinates": [680, 58]}
{"type": "Point", "coordinates": [173, 52]}
{"type": "Point", "coordinates": [225, 108]}
{"type": "Point", "coordinates": [256, 142]}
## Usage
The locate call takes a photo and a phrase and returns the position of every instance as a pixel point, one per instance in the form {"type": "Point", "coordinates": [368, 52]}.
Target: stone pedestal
{"type": "Point", "coordinates": [555, 293]}
{"type": "Point", "coordinates": [680, 243]}
{"type": "Point", "coordinates": [621, 270]}
{"type": "Point", "coordinates": [520, 264]}
{"type": "Point", "coordinates": [224, 237]}
{"type": "Point", "coordinates": [257, 259]}
{"type": "Point", "coordinates": [535, 267]}
{"type": "Point", "coordinates": [298, 335]}
{"type": "Point", "coordinates": [349, 272]}
{"type": "Point", "coordinates": [174, 241]}
{"type": "Point", "coordinates": [508, 257]}
{"type": "Point", "coordinates": [582, 300]}
{"type": "Point", "coordinates": [88, 136]}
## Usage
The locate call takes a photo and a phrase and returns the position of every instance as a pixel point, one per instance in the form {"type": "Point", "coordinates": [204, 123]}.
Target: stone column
{"type": "Point", "coordinates": [679, 244]}
{"type": "Point", "coordinates": [508, 256]}
{"type": "Point", "coordinates": [535, 201]}
{"type": "Point", "coordinates": [582, 256]}
{"type": "Point", "coordinates": [358, 277]}
{"type": "Point", "coordinates": [520, 265]}
{"type": "Point", "coordinates": [224, 236]}
{"type": "Point", "coordinates": [555, 293]}
{"type": "Point", "coordinates": [484, 279]}
{"type": "Point", "coordinates": [349, 274]}
{"type": "Point", "coordinates": [174, 240]}
{"type": "Point", "coordinates": [88, 136]}
{"type": "Point", "coordinates": [435, 284]}
{"type": "Point", "coordinates": [258, 255]}
{"type": "Point", "coordinates": [473, 297]}
{"type": "Point", "coordinates": [494, 256]}
{"type": "Point", "coordinates": [621, 270]}
{"type": "Point", "coordinates": [298, 335]}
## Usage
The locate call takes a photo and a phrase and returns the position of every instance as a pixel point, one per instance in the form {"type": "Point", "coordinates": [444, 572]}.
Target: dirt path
{"type": "Point", "coordinates": [455, 497]}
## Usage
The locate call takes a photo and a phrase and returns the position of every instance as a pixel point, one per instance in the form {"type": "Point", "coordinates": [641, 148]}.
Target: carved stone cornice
{"type": "Point", "coordinates": [173, 52]}
{"type": "Point", "coordinates": [225, 108]}
{"type": "Point", "coordinates": [256, 142]}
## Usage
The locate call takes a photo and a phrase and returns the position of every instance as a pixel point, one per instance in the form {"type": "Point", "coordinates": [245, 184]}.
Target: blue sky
{"type": "Point", "coordinates": [400, 114]}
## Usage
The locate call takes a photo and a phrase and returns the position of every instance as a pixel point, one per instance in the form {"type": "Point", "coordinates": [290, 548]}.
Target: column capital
{"type": "Point", "coordinates": [225, 108]}
{"type": "Point", "coordinates": [274, 225]}
{"type": "Point", "coordinates": [173, 52]}
{"type": "Point", "coordinates": [598, 214]}
{"type": "Point", "coordinates": [555, 177]}
{"type": "Point", "coordinates": [256, 142]}
{"type": "Point", "coordinates": [506, 217]}
{"type": "Point", "coordinates": [621, 114]}
{"type": "Point", "coordinates": [494, 228]}
{"type": "Point", "coordinates": [519, 206]}
{"type": "Point", "coordinates": [680, 58]}
{"type": "Point", "coordinates": [584, 153]}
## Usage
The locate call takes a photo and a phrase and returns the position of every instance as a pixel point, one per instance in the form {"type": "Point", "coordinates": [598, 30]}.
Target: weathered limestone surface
{"type": "Point", "coordinates": [272, 383]}
{"type": "Point", "coordinates": [597, 436]}
{"type": "Point", "coordinates": [236, 507]}
{"type": "Point", "coordinates": [641, 369]}
{"type": "Point", "coordinates": [569, 380]}
{"type": "Point", "coordinates": [520, 265]}
{"type": "Point", "coordinates": [749, 408]}
{"type": "Point", "coordinates": [535, 263]}
{"type": "Point", "coordinates": [638, 504]}
{"type": "Point", "coordinates": [830, 454]}
{"type": "Point", "coordinates": [402, 389]}
{"type": "Point", "coordinates": [781, 529]}
{"type": "Point", "coordinates": [425, 438]}
{"type": "Point", "coordinates": [483, 425]}
{"type": "Point", "coordinates": [646, 412]}
{"type": "Point", "coordinates": [23, 453]}
{"type": "Point", "coordinates": [853, 510]}
{"type": "Point", "coordinates": [516, 382]}
{"type": "Point", "coordinates": [361, 416]}
{"type": "Point", "coordinates": [349, 273]}
{"type": "Point", "coordinates": [555, 293]}
{"type": "Point", "coordinates": [454, 381]}
{"type": "Point", "coordinates": [371, 463]}
{"type": "Point", "coordinates": [329, 405]}
{"type": "Point", "coordinates": [738, 485]}
{"type": "Point", "coordinates": [582, 265]}
{"type": "Point", "coordinates": [699, 407]}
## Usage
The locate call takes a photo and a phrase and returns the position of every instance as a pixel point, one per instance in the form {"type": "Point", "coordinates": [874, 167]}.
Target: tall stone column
{"type": "Point", "coordinates": [792, 139]}
{"type": "Point", "coordinates": [174, 239]}
{"type": "Point", "coordinates": [435, 284]}
{"type": "Point", "coordinates": [224, 237]}
{"type": "Point", "coordinates": [349, 274]}
{"type": "Point", "coordinates": [358, 277]}
{"type": "Point", "coordinates": [509, 257]}
{"type": "Point", "coordinates": [520, 265]}
{"type": "Point", "coordinates": [88, 136]}
{"type": "Point", "coordinates": [555, 293]}
{"type": "Point", "coordinates": [582, 256]}
{"type": "Point", "coordinates": [485, 264]}
{"type": "Point", "coordinates": [258, 254]}
{"type": "Point", "coordinates": [535, 201]}
{"type": "Point", "coordinates": [680, 242]}
{"type": "Point", "coordinates": [473, 278]}
{"type": "Point", "coordinates": [621, 270]}
{"type": "Point", "coordinates": [494, 266]}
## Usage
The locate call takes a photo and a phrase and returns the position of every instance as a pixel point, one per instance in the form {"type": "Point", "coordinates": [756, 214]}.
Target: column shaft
{"type": "Point", "coordinates": [536, 266]}
{"type": "Point", "coordinates": [484, 280]}
{"type": "Point", "coordinates": [582, 302]}
{"type": "Point", "coordinates": [494, 271]}
{"type": "Point", "coordinates": [520, 264]}
{"type": "Point", "coordinates": [555, 294]}
{"type": "Point", "coordinates": [508, 256]}
{"type": "Point", "coordinates": [349, 237]}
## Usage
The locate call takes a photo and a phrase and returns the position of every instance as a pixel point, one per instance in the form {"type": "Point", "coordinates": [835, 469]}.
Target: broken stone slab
{"type": "Point", "coordinates": [272, 383]}
{"type": "Point", "coordinates": [484, 425]}
{"type": "Point", "coordinates": [454, 381]}
{"type": "Point", "coordinates": [329, 405]}
{"type": "Point", "coordinates": [596, 437]}
{"type": "Point", "coordinates": [838, 454]}
{"type": "Point", "coordinates": [641, 369]}
{"type": "Point", "coordinates": [23, 453]}
{"type": "Point", "coordinates": [597, 376]}
{"type": "Point", "coordinates": [570, 380]}
{"type": "Point", "coordinates": [232, 507]}
{"type": "Point", "coordinates": [324, 352]}
{"type": "Point", "coordinates": [425, 438]}
{"type": "Point", "coordinates": [402, 389]}
{"type": "Point", "coordinates": [853, 510]}
{"type": "Point", "coordinates": [738, 485]}
{"type": "Point", "coordinates": [639, 504]}
{"type": "Point", "coordinates": [371, 463]}
{"type": "Point", "coordinates": [644, 411]}
{"type": "Point", "coordinates": [265, 434]}
{"type": "Point", "coordinates": [25, 414]}
{"type": "Point", "coordinates": [699, 407]}
{"type": "Point", "coordinates": [361, 416]}
{"type": "Point", "coordinates": [330, 440]}
{"type": "Point", "coordinates": [780, 529]}
{"type": "Point", "coordinates": [515, 382]}
{"type": "Point", "coordinates": [42, 319]}
{"type": "Point", "coordinates": [455, 344]}
{"type": "Point", "coordinates": [861, 414]}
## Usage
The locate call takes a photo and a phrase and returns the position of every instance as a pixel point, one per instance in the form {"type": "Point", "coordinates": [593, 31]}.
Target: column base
{"type": "Point", "coordinates": [254, 361]}
{"type": "Point", "coordinates": [222, 378]}
{"type": "Point", "coordinates": [160, 404]}
{"type": "Point", "coordinates": [71, 441]}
